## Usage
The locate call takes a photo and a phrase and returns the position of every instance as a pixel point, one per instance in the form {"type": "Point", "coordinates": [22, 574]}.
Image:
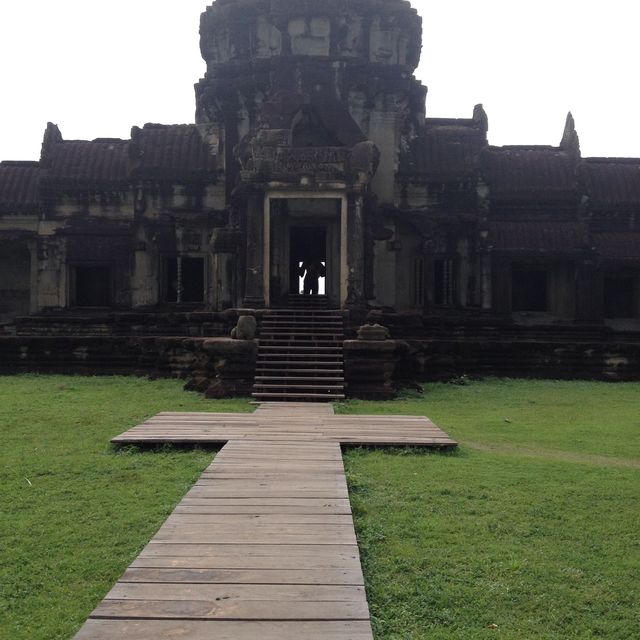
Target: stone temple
{"type": "Point", "coordinates": [312, 142]}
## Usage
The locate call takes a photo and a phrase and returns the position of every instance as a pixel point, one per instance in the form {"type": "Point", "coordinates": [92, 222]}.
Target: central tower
{"type": "Point", "coordinates": [306, 105]}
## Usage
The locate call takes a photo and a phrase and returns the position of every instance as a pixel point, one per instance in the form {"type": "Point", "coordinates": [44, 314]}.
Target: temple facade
{"type": "Point", "coordinates": [312, 141]}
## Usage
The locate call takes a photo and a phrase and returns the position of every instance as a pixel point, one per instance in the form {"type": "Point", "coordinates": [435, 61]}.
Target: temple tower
{"type": "Point", "coordinates": [306, 106]}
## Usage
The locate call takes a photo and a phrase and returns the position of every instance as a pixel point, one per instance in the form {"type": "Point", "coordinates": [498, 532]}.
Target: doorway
{"type": "Point", "coordinates": [301, 229]}
{"type": "Point", "coordinates": [307, 247]}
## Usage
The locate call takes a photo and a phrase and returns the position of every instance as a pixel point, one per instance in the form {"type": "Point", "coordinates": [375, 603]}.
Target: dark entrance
{"type": "Point", "coordinates": [620, 297]}
{"type": "Point", "coordinates": [185, 280]}
{"type": "Point", "coordinates": [529, 290]}
{"type": "Point", "coordinates": [307, 244]}
{"type": "Point", "coordinates": [92, 286]}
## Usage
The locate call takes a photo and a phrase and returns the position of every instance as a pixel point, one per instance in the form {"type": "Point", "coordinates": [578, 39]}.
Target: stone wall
{"type": "Point", "coordinates": [220, 367]}
{"type": "Point", "coordinates": [153, 323]}
{"type": "Point", "coordinates": [444, 348]}
{"type": "Point", "coordinates": [441, 359]}
{"type": "Point", "coordinates": [15, 280]}
{"type": "Point", "coordinates": [371, 368]}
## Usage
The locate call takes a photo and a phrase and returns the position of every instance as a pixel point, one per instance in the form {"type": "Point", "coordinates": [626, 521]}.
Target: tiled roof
{"type": "Point", "coordinates": [449, 148]}
{"type": "Point", "coordinates": [529, 173]}
{"type": "Point", "coordinates": [536, 236]}
{"type": "Point", "coordinates": [618, 245]}
{"type": "Point", "coordinates": [100, 161]}
{"type": "Point", "coordinates": [612, 181]}
{"type": "Point", "coordinates": [19, 187]}
{"type": "Point", "coordinates": [279, 113]}
{"type": "Point", "coordinates": [171, 151]}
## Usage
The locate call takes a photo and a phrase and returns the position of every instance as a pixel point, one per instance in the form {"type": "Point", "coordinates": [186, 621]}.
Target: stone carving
{"type": "Point", "coordinates": [302, 160]}
{"type": "Point", "coordinates": [268, 39]}
{"type": "Point", "coordinates": [310, 36]}
{"type": "Point", "coordinates": [350, 39]}
{"type": "Point", "coordinates": [373, 333]}
{"type": "Point", "coordinates": [245, 329]}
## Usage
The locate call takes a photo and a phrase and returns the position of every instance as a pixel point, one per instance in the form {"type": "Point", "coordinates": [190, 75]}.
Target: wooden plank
{"type": "Point", "coordinates": [335, 576]}
{"type": "Point", "coordinates": [241, 562]}
{"type": "Point", "coordinates": [269, 502]}
{"type": "Point", "coordinates": [241, 592]}
{"type": "Point", "coordinates": [242, 520]}
{"type": "Point", "coordinates": [259, 538]}
{"type": "Point", "coordinates": [233, 609]}
{"type": "Point", "coordinates": [225, 630]}
{"type": "Point", "coordinates": [250, 551]}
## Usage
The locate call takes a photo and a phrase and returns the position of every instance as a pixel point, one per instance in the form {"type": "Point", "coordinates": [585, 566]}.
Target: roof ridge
{"type": "Point", "coordinates": [19, 163]}
{"type": "Point", "coordinates": [611, 160]}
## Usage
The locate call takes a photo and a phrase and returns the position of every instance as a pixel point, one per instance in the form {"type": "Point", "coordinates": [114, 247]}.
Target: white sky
{"type": "Point", "coordinates": [96, 68]}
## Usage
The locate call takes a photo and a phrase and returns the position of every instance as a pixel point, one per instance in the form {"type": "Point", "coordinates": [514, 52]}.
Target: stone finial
{"type": "Point", "coordinates": [373, 332]}
{"type": "Point", "coordinates": [481, 118]}
{"type": "Point", "coordinates": [52, 136]}
{"type": "Point", "coordinates": [245, 329]}
{"type": "Point", "coordinates": [570, 139]}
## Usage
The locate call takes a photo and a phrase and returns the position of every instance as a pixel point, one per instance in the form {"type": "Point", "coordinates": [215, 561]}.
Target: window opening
{"type": "Point", "coordinates": [529, 290]}
{"type": "Point", "coordinates": [444, 282]}
{"type": "Point", "coordinates": [92, 286]}
{"type": "Point", "coordinates": [620, 297]}
{"type": "Point", "coordinates": [184, 280]}
{"type": "Point", "coordinates": [418, 282]}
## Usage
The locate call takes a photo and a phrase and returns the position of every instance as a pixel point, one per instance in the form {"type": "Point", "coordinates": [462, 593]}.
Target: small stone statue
{"type": "Point", "coordinates": [245, 329]}
{"type": "Point", "coordinates": [374, 332]}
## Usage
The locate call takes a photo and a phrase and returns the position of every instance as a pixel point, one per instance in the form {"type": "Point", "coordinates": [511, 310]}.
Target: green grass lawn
{"type": "Point", "coordinates": [532, 526]}
{"type": "Point", "coordinates": [74, 512]}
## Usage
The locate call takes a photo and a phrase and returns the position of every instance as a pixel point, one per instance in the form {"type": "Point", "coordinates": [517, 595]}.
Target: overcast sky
{"type": "Point", "coordinates": [96, 68]}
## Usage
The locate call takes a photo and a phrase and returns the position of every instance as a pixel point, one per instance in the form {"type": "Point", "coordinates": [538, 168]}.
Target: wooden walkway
{"type": "Point", "coordinates": [263, 546]}
{"type": "Point", "coordinates": [288, 421]}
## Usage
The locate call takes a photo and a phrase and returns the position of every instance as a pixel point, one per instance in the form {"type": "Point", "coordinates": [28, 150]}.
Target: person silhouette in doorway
{"type": "Point", "coordinates": [312, 271]}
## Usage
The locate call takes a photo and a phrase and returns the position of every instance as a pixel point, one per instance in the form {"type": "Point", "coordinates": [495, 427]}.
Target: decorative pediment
{"type": "Point", "coordinates": [310, 139]}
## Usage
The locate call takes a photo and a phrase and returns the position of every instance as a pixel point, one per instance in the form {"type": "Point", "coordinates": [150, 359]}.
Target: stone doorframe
{"type": "Point", "coordinates": [344, 220]}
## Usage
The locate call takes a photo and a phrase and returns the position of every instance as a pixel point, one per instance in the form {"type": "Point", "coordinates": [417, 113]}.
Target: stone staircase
{"type": "Point", "coordinates": [300, 355]}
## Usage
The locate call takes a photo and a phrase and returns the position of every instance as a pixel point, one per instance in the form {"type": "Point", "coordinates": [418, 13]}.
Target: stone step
{"type": "Point", "coordinates": [334, 337]}
{"type": "Point", "coordinates": [299, 387]}
{"type": "Point", "coordinates": [263, 370]}
{"type": "Point", "coordinates": [300, 396]}
{"type": "Point", "coordinates": [301, 311]}
{"type": "Point", "coordinates": [302, 329]}
{"type": "Point", "coordinates": [300, 354]}
{"type": "Point", "coordinates": [284, 349]}
{"type": "Point", "coordinates": [300, 341]}
{"type": "Point", "coordinates": [337, 321]}
{"type": "Point", "coordinates": [318, 358]}
{"type": "Point", "coordinates": [297, 378]}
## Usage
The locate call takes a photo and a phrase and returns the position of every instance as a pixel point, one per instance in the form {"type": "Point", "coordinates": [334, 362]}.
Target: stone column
{"type": "Point", "coordinates": [501, 285]}
{"type": "Point", "coordinates": [33, 254]}
{"type": "Point", "coordinates": [355, 295]}
{"type": "Point", "coordinates": [254, 295]}
{"type": "Point", "coordinates": [589, 295]}
{"type": "Point", "coordinates": [486, 289]}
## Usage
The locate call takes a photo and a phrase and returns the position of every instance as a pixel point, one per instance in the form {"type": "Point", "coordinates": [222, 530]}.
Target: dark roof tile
{"type": "Point", "coordinates": [19, 187]}
{"type": "Point", "coordinates": [618, 245]}
{"type": "Point", "coordinates": [536, 236]}
{"type": "Point", "coordinates": [612, 181]}
{"type": "Point", "coordinates": [531, 174]}
{"type": "Point", "coordinates": [448, 149]}
{"type": "Point", "coordinates": [100, 161]}
{"type": "Point", "coordinates": [171, 152]}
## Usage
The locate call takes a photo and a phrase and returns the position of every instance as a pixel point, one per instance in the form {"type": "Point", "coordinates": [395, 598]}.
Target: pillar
{"type": "Point", "coordinates": [254, 292]}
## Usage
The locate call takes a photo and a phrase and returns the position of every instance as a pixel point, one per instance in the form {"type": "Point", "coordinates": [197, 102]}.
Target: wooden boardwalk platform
{"type": "Point", "coordinates": [263, 546]}
{"type": "Point", "coordinates": [288, 421]}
